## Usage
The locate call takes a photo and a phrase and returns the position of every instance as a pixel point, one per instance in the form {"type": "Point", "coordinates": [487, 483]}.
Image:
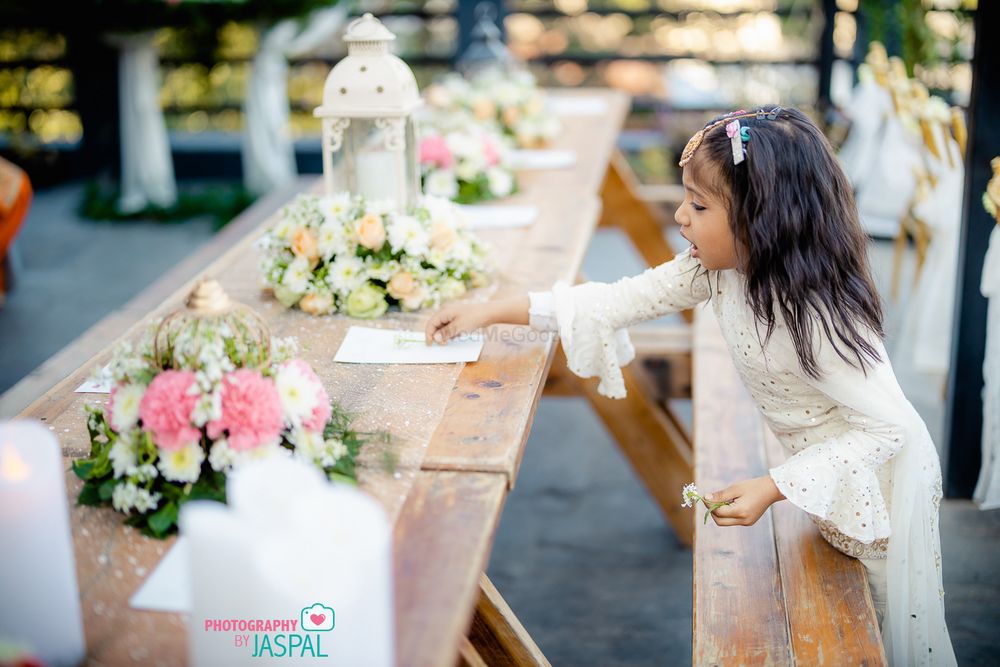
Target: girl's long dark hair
{"type": "Point", "coordinates": [798, 238]}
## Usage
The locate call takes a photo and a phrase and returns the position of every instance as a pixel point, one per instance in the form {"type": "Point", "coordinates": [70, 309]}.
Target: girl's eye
{"type": "Point", "coordinates": [697, 207]}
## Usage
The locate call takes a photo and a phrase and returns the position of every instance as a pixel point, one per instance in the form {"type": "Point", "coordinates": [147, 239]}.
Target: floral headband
{"type": "Point", "coordinates": [738, 135]}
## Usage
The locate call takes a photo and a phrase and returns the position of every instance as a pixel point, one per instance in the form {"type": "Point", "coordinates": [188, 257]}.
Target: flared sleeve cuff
{"type": "Point", "coordinates": [593, 347]}
{"type": "Point", "coordinates": [829, 481]}
{"type": "Point", "coordinates": [542, 311]}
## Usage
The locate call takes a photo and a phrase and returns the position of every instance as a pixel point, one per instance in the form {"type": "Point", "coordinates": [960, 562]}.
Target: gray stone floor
{"type": "Point", "coordinates": [582, 554]}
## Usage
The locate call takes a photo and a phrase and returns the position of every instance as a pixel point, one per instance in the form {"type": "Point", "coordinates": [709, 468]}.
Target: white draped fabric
{"type": "Point", "coordinates": [268, 151]}
{"type": "Point", "coordinates": [923, 349]}
{"type": "Point", "coordinates": [879, 157]}
{"type": "Point", "coordinates": [987, 492]}
{"type": "Point", "coordinates": [869, 108]}
{"type": "Point", "coordinates": [147, 169]}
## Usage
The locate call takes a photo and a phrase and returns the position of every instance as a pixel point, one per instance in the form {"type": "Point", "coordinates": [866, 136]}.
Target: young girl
{"type": "Point", "coordinates": [777, 250]}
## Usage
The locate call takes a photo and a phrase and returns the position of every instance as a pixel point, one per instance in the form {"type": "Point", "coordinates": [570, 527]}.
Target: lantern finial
{"type": "Point", "coordinates": [208, 298]}
{"type": "Point", "coordinates": [367, 35]}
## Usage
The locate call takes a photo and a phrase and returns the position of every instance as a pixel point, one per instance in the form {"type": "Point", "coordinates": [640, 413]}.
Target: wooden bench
{"type": "Point", "coordinates": [775, 593]}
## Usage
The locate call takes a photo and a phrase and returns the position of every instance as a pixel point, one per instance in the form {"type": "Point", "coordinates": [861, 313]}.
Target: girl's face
{"type": "Point", "coordinates": [704, 221]}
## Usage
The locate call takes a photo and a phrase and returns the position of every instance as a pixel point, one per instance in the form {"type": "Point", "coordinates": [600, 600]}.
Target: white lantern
{"type": "Point", "coordinates": [367, 115]}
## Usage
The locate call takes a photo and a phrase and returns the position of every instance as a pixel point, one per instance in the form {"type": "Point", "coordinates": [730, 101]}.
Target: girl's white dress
{"type": "Point", "coordinates": [861, 462]}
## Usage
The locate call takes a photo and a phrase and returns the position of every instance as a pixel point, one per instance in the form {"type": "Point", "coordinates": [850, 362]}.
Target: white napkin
{"type": "Point", "coordinates": [543, 159]}
{"type": "Point", "coordinates": [101, 385]}
{"type": "Point", "coordinates": [365, 345]}
{"type": "Point", "coordinates": [169, 587]}
{"type": "Point", "coordinates": [485, 216]}
{"type": "Point", "coordinates": [577, 106]}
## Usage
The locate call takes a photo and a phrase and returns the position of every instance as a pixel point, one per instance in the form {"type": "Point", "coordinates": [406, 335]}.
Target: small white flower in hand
{"type": "Point", "coordinates": [691, 496]}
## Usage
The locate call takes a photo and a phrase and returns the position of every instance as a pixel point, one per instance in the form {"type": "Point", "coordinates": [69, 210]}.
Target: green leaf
{"type": "Point", "coordinates": [163, 519]}
{"type": "Point", "coordinates": [106, 488]}
{"type": "Point", "coordinates": [89, 495]}
{"type": "Point", "coordinates": [83, 468]}
{"type": "Point", "coordinates": [343, 479]}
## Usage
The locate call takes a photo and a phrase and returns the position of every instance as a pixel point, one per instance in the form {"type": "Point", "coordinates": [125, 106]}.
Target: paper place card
{"type": "Point", "coordinates": [169, 587]}
{"type": "Point", "coordinates": [543, 159]}
{"type": "Point", "coordinates": [365, 345]}
{"type": "Point", "coordinates": [99, 386]}
{"type": "Point", "coordinates": [577, 106]}
{"type": "Point", "coordinates": [485, 216]}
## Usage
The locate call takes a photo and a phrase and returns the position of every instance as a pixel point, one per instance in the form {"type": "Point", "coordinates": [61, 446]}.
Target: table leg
{"type": "Point", "coordinates": [649, 437]}
{"type": "Point", "coordinates": [497, 637]}
{"type": "Point", "coordinates": [625, 209]}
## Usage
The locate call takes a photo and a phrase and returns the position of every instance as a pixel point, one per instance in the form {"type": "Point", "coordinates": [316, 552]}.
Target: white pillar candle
{"type": "Point", "coordinates": [39, 599]}
{"type": "Point", "coordinates": [221, 587]}
{"type": "Point", "coordinates": [378, 175]}
{"type": "Point", "coordinates": [305, 551]}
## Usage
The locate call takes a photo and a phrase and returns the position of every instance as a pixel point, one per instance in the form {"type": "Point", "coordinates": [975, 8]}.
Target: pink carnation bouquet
{"type": "Point", "coordinates": [462, 160]}
{"type": "Point", "coordinates": [172, 432]}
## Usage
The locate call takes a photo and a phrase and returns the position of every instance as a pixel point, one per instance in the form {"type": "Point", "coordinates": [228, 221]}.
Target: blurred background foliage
{"type": "Point", "coordinates": [682, 60]}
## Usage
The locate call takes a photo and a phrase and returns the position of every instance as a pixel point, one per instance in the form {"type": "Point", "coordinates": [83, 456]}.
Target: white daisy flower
{"type": "Point", "coordinates": [441, 183]}
{"type": "Point", "coordinates": [182, 464]}
{"type": "Point", "coordinates": [284, 229]}
{"type": "Point", "coordinates": [346, 273]}
{"type": "Point", "coordinates": [469, 169]}
{"type": "Point", "coordinates": [123, 455]}
{"type": "Point", "coordinates": [333, 239]}
{"type": "Point", "coordinates": [297, 392]}
{"type": "Point", "coordinates": [297, 275]}
{"type": "Point", "coordinates": [335, 209]}
{"type": "Point", "coordinates": [125, 410]}
{"type": "Point", "coordinates": [501, 181]}
{"type": "Point", "coordinates": [309, 445]}
{"type": "Point", "coordinates": [462, 145]}
{"type": "Point", "coordinates": [407, 234]}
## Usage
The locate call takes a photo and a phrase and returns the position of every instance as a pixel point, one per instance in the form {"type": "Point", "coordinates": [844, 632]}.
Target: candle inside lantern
{"type": "Point", "coordinates": [39, 599]}
{"type": "Point", "coordinates": [378, 175]}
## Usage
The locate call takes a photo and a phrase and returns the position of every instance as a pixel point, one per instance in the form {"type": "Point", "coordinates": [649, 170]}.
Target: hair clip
{"type": "Point", "coordinates": [738, 135]}
{"type": "Point", "coordinates": [735, 141]}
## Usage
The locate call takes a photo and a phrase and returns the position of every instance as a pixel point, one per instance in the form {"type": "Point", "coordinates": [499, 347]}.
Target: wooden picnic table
{"type": "Point", "coordinates": [445, 524]}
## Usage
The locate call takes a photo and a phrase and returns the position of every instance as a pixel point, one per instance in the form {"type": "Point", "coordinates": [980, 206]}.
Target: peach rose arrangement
{"type": "Point", "coordinates": [510, 101]}
{"type": "Point", "coordinates": [171, 434]}
{"type": "Point", "coordinates": [344, 254]}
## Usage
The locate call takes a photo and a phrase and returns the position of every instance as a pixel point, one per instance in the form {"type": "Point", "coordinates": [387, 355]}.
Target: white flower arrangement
{"type": "Point", "coordinates": [510, 100]}
{"type": "Point", "coordinates": [345, 254]}
{"type": "Point", "coordinates": [464, 161]}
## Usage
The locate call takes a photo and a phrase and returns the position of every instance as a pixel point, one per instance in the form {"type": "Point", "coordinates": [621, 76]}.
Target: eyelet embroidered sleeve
{"type": "Point", "coordinates": [591, 318]}
{"type": "Point", "coordinates": [836, 478]}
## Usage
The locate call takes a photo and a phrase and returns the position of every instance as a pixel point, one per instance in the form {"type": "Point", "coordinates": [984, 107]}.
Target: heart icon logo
{"type": "Point", "coordinates": [317, 619]}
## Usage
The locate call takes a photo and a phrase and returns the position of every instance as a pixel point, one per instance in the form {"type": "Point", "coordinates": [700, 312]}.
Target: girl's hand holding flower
{"type": "Point", "coordinates": [743, 503]}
